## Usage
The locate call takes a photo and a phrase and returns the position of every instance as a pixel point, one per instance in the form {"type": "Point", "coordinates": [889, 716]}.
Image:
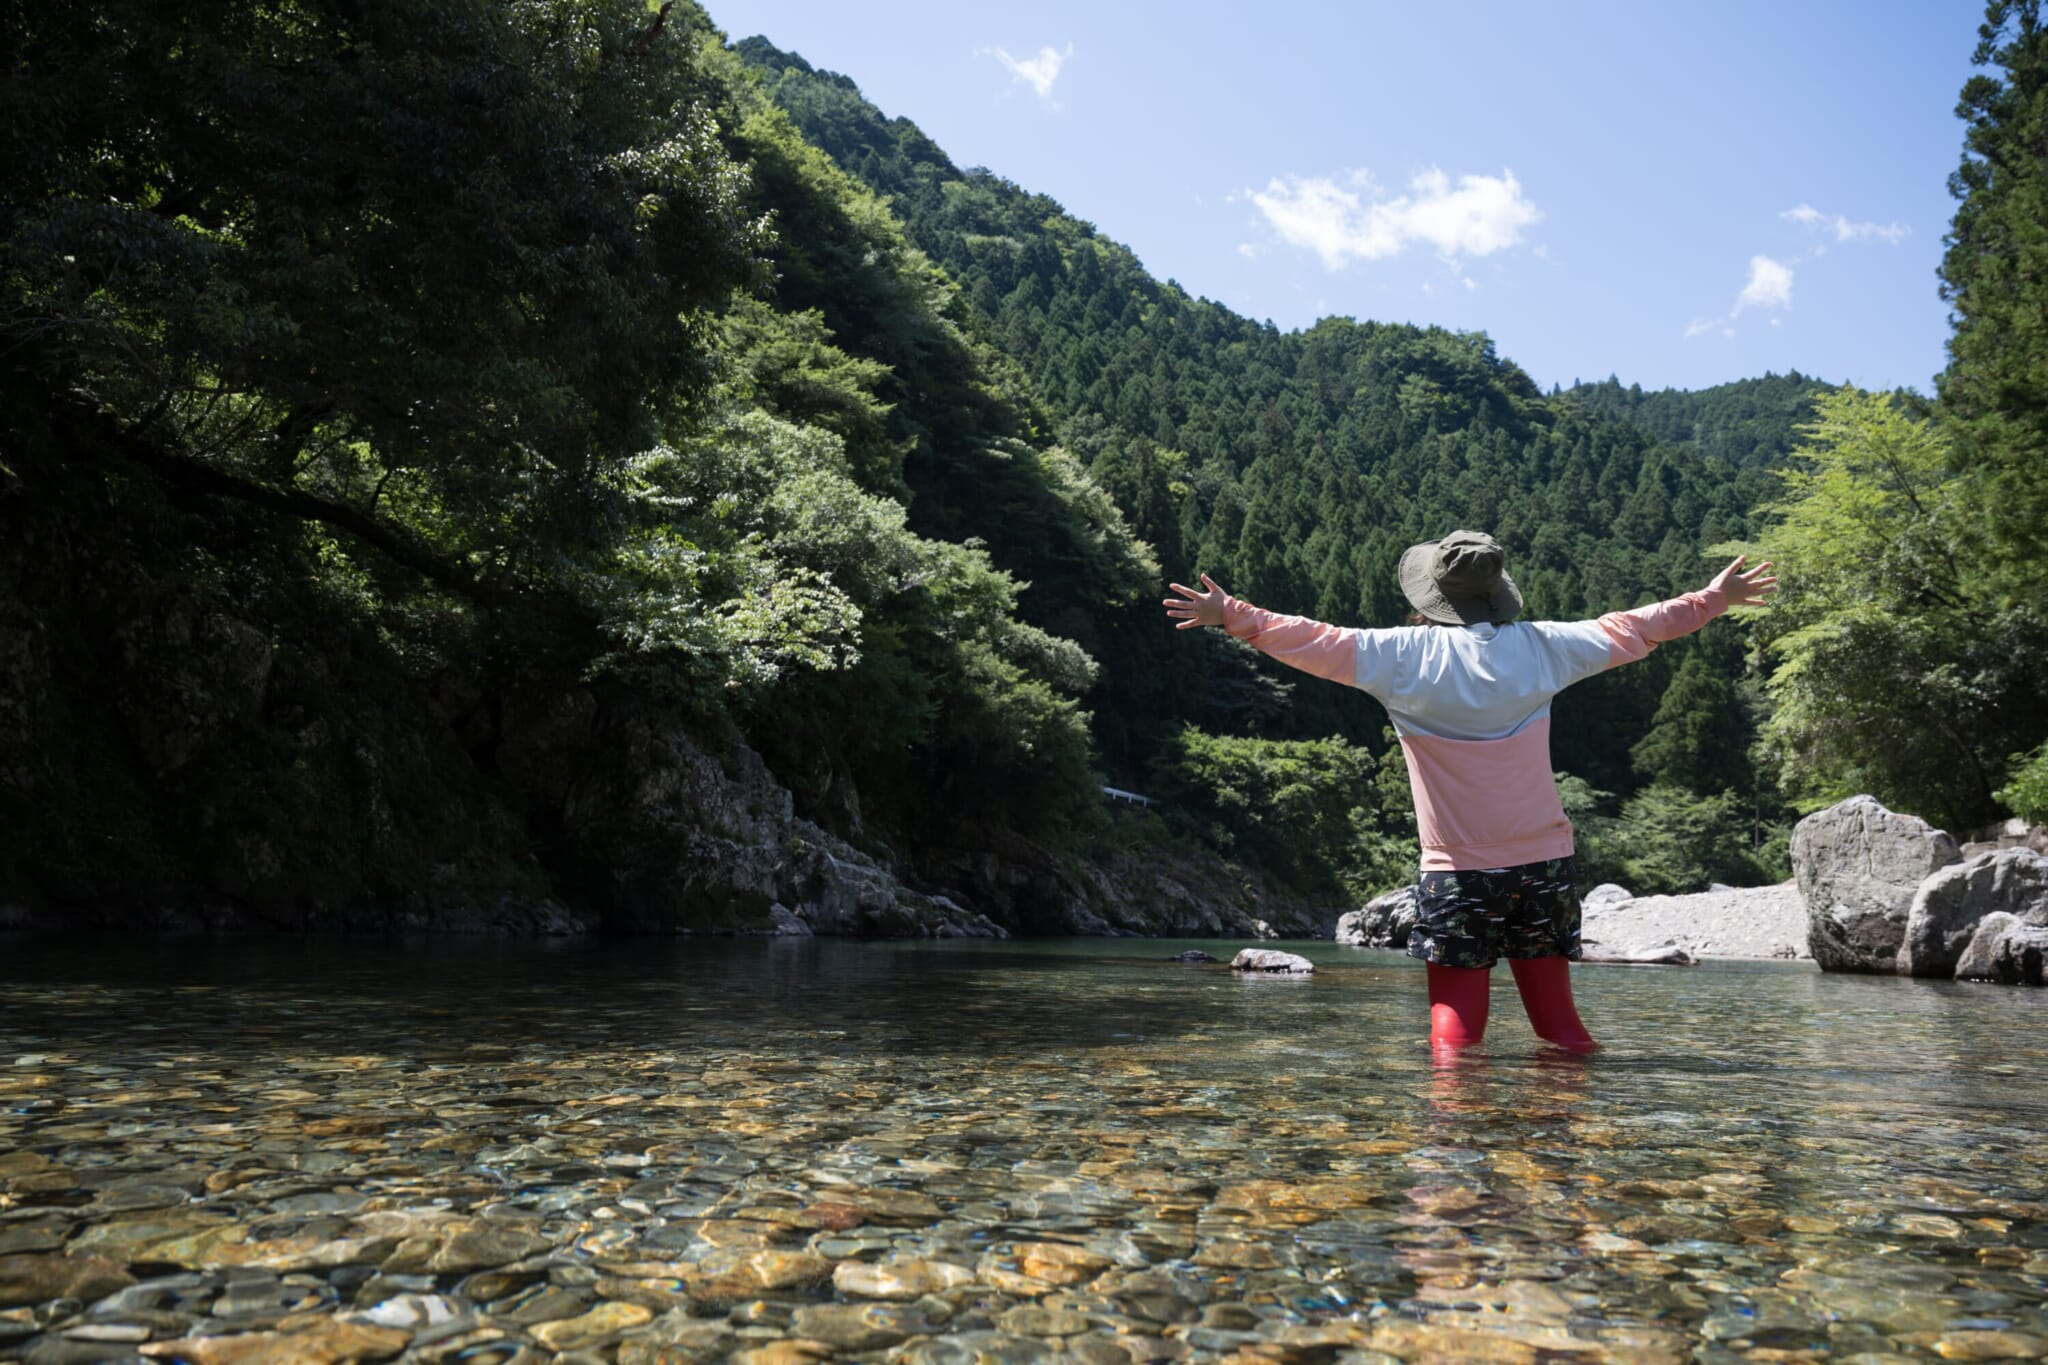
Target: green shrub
{"type": "Point", "coordinates": [1308, 811]}
{"type": "Point", "coordinates": [2026, 794]}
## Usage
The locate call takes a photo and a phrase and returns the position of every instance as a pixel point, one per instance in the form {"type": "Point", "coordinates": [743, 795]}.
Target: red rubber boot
{"type": "Point", "coordinates": [1458, 997]}
{"type": "Point", "coordinates": [1546, 987]}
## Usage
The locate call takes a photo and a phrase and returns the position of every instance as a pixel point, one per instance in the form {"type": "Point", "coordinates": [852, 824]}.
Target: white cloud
{"type": "Point", "coordinates": [1807, 215]}
{"type": "Point", "coordinates": [1770, 285]}
{"type": "Point", "coordinates": [1248, 250]}
{"type": "Point", "coordinates": [1352, 220]}
{"type": "Point", "coordinates": [1039, 71]}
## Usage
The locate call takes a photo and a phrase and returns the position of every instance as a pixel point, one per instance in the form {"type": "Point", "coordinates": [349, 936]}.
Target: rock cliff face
{"type": "Point", "coordinates": [1120, 892]}
{"type": "Point", "coordinates": [668, 834]}
{"type": "Point", "coordinates": [1858, 866]}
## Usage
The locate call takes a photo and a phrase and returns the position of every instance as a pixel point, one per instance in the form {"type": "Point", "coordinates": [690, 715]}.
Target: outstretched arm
{"type": "Point", "coordinates": [1633, 634]}
{"type": "Point", "coordinates": [1324, 650]}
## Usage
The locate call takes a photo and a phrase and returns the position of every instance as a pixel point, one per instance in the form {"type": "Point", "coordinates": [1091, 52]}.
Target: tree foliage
{"type": "Point", "coordinates": [1296, 466]}
{"type": "Point", "coordinates": [551, 355]}
{"type": "Point", "coordinates": [1309, 811]}
{"type": "Point", "coordinates": [1899, 669]}
{"type": "Point", "coordinates": [438, 265]}
{"type": "Point", "coordinates": [1750, 422]}
{"type": "Point", "coordinates": [1994, 394]}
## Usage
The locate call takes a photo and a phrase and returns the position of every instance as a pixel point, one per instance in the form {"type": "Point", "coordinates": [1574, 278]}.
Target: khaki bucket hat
{"type": "Point", "coordinates": [1461, 580]}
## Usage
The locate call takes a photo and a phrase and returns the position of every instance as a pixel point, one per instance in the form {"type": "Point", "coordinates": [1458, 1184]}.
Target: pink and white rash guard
{"type": "Point", "coordinates": [1471, 705]}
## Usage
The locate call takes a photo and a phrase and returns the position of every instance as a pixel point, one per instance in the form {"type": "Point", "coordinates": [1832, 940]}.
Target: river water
{"type": "Point", "coordinates": [784, 1151]}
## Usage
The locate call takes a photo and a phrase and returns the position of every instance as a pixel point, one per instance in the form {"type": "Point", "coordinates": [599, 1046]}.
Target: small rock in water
{"type": "Point", "coordinates": [27, 1279]}
{"type": "Point", "coordinates": [1271, 960]}
{"type": "Point", "coordinates": [905, 1279]}
{"type": "Point", "coordinates": [1194, 955]}
{"type": "Point", "coordinates": [604, 1321]}
{"type": "Point", "coordinates": [1665, 954]}
{"type": "Point", "coordinates": [410, 1311]}
{"type": "Point", "coordinates": [857, 1327]}
{"type": "Point", "coordinates": [117, 1332]}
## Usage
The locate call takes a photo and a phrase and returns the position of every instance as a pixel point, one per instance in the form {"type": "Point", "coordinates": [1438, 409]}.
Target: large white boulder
{"type": "Point", "coordinates": [1859, 867]}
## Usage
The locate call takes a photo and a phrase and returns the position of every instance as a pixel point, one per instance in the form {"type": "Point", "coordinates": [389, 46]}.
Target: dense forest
{"type": "Point", "coordinates": [1296, 466]}
{"type": "Point", "coordinates": [1748, 423]}
{"type": "Point", "coordinates": [460, 455]}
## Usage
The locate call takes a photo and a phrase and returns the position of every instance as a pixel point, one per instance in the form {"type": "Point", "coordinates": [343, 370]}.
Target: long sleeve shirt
{"type": "Point", "coordinates": [1471, 707]}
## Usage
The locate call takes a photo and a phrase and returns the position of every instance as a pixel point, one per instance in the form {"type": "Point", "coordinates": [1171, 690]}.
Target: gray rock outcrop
{"type": "Point", "coordinates": [685, 836]}
{"type": "Point", "coordinates": [1859, 867]}
{"type": "Point", "coordinates": [1383, 921]}
{"type": "Point", "coordinates": [1605, 894]}
{"type": "Point", "coordinates": [2013, 833]}
{"type": "Point", "coordinates": [1121, 892]}
{"type": "Point", "coordinates": [2006, 951]}
{"type": "Point", "coordinates": [1977, 920]}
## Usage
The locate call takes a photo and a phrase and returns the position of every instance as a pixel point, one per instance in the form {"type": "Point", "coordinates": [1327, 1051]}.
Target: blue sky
{"type": "Point", "coordinates": [1676, 194]}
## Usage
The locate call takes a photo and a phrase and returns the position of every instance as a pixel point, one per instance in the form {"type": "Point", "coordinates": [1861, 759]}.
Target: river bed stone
{"type": "Point", "coordinates": [1000, 1153]}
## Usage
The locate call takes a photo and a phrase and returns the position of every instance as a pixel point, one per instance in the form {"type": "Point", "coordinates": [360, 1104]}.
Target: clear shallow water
{"type": "Point", "coordinates": [680, 1150]}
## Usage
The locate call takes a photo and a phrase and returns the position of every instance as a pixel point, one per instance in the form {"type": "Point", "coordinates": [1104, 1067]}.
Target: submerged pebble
{"type": "Point", "coordinates": [987, 1154]}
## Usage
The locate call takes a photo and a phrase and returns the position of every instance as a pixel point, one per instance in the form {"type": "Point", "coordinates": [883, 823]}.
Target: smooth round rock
{"type": "Point", "coordinates": [910, 1279]}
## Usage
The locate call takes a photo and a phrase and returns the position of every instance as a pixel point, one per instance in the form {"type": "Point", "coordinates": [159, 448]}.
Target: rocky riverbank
{"type": "Point", "coordinates": [1732, 922]}
{"type": "Point", "coordinates": [1740, 922]}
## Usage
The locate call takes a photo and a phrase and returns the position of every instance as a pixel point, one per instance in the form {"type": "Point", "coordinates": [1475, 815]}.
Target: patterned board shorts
{"type": "Point", "coordinates": [1477, 917]}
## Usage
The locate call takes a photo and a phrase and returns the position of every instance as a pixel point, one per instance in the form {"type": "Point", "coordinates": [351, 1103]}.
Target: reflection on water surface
{"type": "Point", "coordinates": [783, 1151]}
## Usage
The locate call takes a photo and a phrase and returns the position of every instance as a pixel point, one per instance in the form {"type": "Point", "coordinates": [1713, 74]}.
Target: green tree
{"type": "Point", "coordinates": [1308, 810]}
{"type": "Point", "coordinates": [1699, 739]}
{"type": "Point", "coordinates": [1994, 393]}
{"type": "Point", "coordinates": [1670, 841]}
{"type": "Point", "coordinates": [422, 273]}
{"type": "Point", "coordinates": [1898, 669]}
{"type": "Point", "coordinates": [2026, 795]}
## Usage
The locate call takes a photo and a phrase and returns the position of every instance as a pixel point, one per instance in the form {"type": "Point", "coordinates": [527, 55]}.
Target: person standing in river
{"type": "Point", "coordinates": [1469, 688]}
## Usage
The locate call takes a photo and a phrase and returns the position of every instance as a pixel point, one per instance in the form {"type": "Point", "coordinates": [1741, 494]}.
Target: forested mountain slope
{"type": "Point", "coordinates": [1296, 466]}
{"type": "Point", "coordinates": [419, 506]}
{"type": "Point", "coordinates": [468, 469]}
{"type": "Point", "coordinates": [1747, 422]}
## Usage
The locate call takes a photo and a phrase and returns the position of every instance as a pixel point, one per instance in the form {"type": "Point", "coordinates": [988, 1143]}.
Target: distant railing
{"type": "Point", "coordinates": [1119, 794]}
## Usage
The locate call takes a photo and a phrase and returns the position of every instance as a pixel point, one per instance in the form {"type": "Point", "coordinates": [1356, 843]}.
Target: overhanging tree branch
{"type": "Point", "coordinates": [84, 427]}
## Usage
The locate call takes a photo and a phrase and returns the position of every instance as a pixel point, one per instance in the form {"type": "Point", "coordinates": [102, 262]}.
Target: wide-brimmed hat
{"type": "Point", "coordinates": [1461, 580]}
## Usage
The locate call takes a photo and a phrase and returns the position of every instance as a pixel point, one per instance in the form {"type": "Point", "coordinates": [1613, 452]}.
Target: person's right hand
{"type": "Point", "coordinates": [1744, 589]}
{"type": "Point", "coordinates": [1193, 608]}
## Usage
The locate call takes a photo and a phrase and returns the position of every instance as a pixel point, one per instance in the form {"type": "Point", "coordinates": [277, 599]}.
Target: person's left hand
{"type": "Point", "coordinates": [1745, 589]}
{"type": "Point", "coordinates": [1193, 608]}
